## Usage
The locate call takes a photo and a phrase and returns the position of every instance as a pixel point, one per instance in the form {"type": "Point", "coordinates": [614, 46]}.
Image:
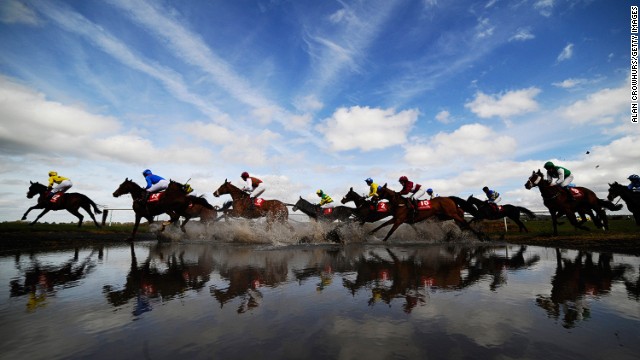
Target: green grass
{"type": "Point", "coordinates": [544, 227]}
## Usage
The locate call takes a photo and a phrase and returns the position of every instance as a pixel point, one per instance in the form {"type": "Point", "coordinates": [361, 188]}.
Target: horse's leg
{"type": "Point", "coordinates": [76, 212]}
{"type": "Point", "coordinates": [393, 229]}
{"type": "Point", "coordinates": [87, 208]}
{"type": "Point", "coordinates": [39, 216]}
{"type": "Point", "coordinates": [184, 223]}
{"type": "Point", "coordinates": [573, 220]}
{"type": "Point", "coordinates": [24, 217]}
{"type": "Point", "coordinates": [386, 223]}
{"type": "Point", "coordinates": [135, 227]}
{"type": "Point", "coordinates": [516, 219]}
{"type": "Point", "coordinates": [554, 221]}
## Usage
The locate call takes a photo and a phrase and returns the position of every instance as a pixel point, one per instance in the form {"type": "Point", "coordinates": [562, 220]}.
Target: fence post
{"type": "Point", "coordinates": [105, 212]}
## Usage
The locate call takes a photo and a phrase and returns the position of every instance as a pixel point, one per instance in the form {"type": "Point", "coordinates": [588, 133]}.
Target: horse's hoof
{"type": "Point", "coordinates": [24, 218]}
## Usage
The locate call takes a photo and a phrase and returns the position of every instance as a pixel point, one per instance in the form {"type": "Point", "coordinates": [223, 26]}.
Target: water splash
{"type": "Point", "coordinates": [243, 231]}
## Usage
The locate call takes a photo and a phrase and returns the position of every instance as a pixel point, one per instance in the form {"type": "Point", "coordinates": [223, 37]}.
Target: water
{"type": "Point", "coordinates": [254, 297]}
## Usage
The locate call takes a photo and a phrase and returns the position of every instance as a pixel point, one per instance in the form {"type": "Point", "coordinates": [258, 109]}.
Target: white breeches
{"type": "Point", "coordinates": [62, 187]}
{"type": "Point", "coordinates": [566, 181]}
{"type": "Point", "coordinates": [160, 185]}
{"type": "Point", "coordinates": [329, 205]}
{"type": "Point", "coordinates": [258, 190]}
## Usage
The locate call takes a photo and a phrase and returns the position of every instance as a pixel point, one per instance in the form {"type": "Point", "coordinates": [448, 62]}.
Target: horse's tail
{"type": "Point", "coordinates": [527, 212]}
{"type": "Point", "coordinates": [226, 205]}
{"type": "Point", "coordinates": [95, 207]}
{"type": "Point", "coordinates": [201, 201]}
{"type": "Point", "coordinates": [465, 205]}
{"type": "Point", "coordinates": [609, 205]}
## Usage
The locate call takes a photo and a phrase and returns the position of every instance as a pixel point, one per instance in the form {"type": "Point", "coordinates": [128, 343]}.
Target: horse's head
{"type": "Point", "coordinates": [615, 190]}
{"type": "Point", "coordinates": [351, 196]}
{"type": "Point", "coordinates": [534, 179]}
{"type": "Point", "coordinates": [225, 188]}
{"type": "Point", "coordinates": [126, 187]}
{"type": "Point", "coordinates": [35, 189]}
{"type": "Point", "coordinates": [297, 205]}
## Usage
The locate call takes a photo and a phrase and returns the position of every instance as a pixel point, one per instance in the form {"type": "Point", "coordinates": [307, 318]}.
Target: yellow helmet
{"type": "Point", "coordinates": [52, 173]}
{"type": "Point", "coordinates": [319, 192]}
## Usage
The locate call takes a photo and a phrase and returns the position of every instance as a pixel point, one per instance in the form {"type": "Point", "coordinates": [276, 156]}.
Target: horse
{"type": "Point", "coordinates": [340, 213]}
{"type": "Point", "coordinates": [443, 208]}
{"type": "Point", "coordinates": [488, 212]}
{"type": "Point", "coordinates": [556, 199]}
{"type": "Point", "coordinates": [273, 210]}
{"type": "Point", "coordinates": [365, 209]}
{"type": "Point", "coordinates": [173, 202]}
{"type": "Point", "coordinates": [71, 202]}
{"type": "Point", "coordinates": [198, 209]}
{"type": "Point", "coordinates": [630, 197]}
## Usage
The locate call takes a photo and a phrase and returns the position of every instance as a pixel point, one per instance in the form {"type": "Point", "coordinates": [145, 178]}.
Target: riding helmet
{"type": "Point", "coordinates": [633, 177]}
{"type": "Point", "coordinates": [403, 179]}
{"type": "Point", "coordinates": [146, 172]}
{"type": "Point", "coordinates": [52, 173]}
{"type": "Point", "coordinates": [486, 188]}
{"type": "Point", "coordinates": [369, 180]}
{"type": "Point", "coordinates": [548, 165]}
{"type": "Point", "coordinates": [244, 175]}
{"type": "Point", "coordinates": [319, 192]}
{"type": "Point", "coordinates": [429, 190]}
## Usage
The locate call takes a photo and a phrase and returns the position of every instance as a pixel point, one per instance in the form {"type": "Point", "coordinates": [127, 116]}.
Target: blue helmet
{"type": "Point", "coordinates": [146, 172]}
{"type": "Point", "coordinates": [429, 190]}
{"type": "Point", "coordinates": [633, 177]}
{"type": "Point", "coordinates": [368, 180]}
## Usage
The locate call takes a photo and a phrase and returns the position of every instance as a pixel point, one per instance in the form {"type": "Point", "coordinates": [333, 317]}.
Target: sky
{"type": "Point", "coordinates": [311, 95]}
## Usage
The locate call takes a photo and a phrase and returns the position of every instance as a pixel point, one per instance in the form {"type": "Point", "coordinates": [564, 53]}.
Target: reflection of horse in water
{"type": "Point", "coordinates": [574, 280]}
{"type": "Point", "coordinates": [487, 211]}
{"type": "Point", "coordinates": [490, 262]}
{"type": "Point", "coordinates": [40, 280]}
{"type": "Point", "coordinates": [340, 213]}
{"type": "Point", "coordinates": [556, 199]}
{"type": "Point", "coordinates": [631, 198]}
{"type": "Point", "coordinates": [147, 281]}
{"type": "Point", "coordinates": [245, 283]}
{"type": "Point", "coordinates": [72, 202]}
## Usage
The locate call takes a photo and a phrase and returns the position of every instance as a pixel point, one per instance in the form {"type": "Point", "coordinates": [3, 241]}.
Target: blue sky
{"type": "Point", "coordinates": [313, 94]}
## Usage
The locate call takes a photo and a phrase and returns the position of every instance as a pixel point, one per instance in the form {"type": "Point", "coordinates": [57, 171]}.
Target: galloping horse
{"type": "Point", "coordinates": [486, 211]}
{"type": "Point", "coordinates": [274, 210]}
{"type": "Point", "coordinates": [443, 208]}
{"type": "Point", "coordinates": [173, 202]}
{"type": "Point", "coordinates": [340, 213]}
{"type": "Point", "coordinates": [365, 210]}
{"type": "Point", "coordinates": [71, 202]}
{"type": "Point", "coordinates": [199, 207]}
{"type": "Point", "coordinates": [556, 200]}
{"type": "Point", "coordinates": [632, 198]}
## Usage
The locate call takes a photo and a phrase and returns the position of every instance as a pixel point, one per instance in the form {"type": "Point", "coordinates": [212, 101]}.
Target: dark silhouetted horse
{"type": "Point", "coordinates": [273, 210]}
{"type": "Point", "coordinates": [340, 213]}
{"type": "Point", "coordinates": [487, 211]}
{"type": "Point", "coordinates": [174, 202]}
{"type": "Point", "coordinates": [556, 199]}
{"type": "Point", "coordinates": [630, 197]}
{"type": "Point", "coordinates": [365, 210]}
{"type": "Point", "coordinates": [403, 211]}
{"type": "Point", "coordinates": [71, 202]}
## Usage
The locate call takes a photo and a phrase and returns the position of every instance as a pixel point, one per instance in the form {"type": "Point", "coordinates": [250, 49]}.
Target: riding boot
{"type": "Point", "coordinates": [252, 206]}
{"type": "Point", "coordinates": [569, 194]}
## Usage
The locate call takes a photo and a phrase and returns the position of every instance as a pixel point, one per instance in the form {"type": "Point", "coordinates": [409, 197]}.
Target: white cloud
{"type": "Point", "coordinates": [460, 148]}
{"type": "Point", "coordinates": [570, 83]}
{"type": "Point", "coordinates": [308, 103]}
{"type": "Point", "coordinates": [522, 34]}
{"type": "Point", "coordinates": [443, 117]}
{"type": "Point", "coordinates": [15, 12]}
{"type": "Point", "coordinates": [566, 53]}
{"type": "Point", "coordinates": [544, 7]}
{"type": "Point", "coordinates": [600, 107]}
{"type": "Point", "coordinates": [366, 128]}
{"type": "Point", "coordinates": [484, 29]}
{"type": "Point", "coordinates": [511, 103]}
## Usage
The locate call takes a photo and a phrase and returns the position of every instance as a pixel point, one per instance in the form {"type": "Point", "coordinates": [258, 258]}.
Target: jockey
{"type": "Point", "coordinates": [155, 183]}
{"type": "Point", "coordinates": [431, 194]}
{"type": "Point", "coordinates": [635, 182]}
{"type": "Point", "coordinates": [493, 197]}
{"type": "Point", "coordinates": [559, 176]}
{"type": "Point", "coordinates": [62, 183]}
{"type": "Point", "coordinates": [414, 191]}
{"type": "Point", "coordinates": [373, 188]}
{"type": "Point", "coordinates": [252, 185]}
{"type": "Point", "coordinates": [325, 200]}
